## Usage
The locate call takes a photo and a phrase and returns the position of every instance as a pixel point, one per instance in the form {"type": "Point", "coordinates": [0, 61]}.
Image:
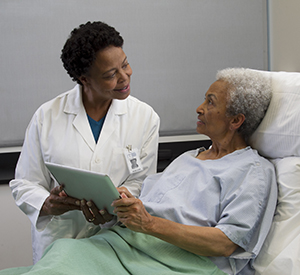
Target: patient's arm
{"type": "Point", "coordinates": [204, 241]}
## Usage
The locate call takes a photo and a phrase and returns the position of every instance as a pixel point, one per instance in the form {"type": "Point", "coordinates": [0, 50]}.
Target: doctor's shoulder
{"type": "Point", "coordinates": [53, 107]}
{"type": "Point", "coordinates": [141, 109]}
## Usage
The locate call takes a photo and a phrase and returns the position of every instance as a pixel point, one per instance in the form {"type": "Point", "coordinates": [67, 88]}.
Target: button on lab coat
{"type": "Point", "coordinates": [59, 132]}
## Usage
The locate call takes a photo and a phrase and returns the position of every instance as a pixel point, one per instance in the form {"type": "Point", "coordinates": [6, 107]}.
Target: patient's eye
{"type": "Point", "coordinates": [208, 100]}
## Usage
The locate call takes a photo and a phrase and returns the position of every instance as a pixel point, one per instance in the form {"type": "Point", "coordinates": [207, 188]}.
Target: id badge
{"type": "Point", "coordinates": [133, 159]}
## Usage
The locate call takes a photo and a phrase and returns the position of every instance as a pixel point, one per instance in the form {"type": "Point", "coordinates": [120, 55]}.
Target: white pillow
{"type": "Point", "coordinates": [280, 253]}
{"type": "Point", "coordinates": [278, 135]}
{"type": "Point", "coordinates": [288, 180]}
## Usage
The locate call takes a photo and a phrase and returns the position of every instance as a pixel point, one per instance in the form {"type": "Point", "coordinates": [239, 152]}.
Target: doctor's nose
{"type": "Point", "coordinates": [125, 74]}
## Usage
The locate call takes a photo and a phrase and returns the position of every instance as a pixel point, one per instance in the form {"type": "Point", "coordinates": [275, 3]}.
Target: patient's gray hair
{"type": "Point", "coordinates": [249, 93]}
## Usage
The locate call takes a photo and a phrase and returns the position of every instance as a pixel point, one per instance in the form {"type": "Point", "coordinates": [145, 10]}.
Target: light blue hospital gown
{"type": "Point", "coordinates": [236, 194]}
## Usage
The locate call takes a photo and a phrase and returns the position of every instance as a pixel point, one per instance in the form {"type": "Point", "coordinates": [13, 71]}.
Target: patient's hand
{"type": "Point", "coordinates": [124, 190]}
{"type": "Point", "coordinates": [93, 214]}
{"type": "Point", "coordinates": [132, 213]}
{"type": "Point", "coordinates": [58, 203]}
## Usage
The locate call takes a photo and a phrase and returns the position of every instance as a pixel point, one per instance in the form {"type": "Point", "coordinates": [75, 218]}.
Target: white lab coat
{"type": "Point", "coordinates": [59, 132]}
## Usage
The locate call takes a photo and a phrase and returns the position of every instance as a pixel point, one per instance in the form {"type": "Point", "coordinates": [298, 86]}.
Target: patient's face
{"type": "Point", "coordinates": [212, 119]}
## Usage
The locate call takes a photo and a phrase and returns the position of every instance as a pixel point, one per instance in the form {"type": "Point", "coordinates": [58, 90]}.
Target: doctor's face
{"type": "Point", "coordinates": [109, 76]}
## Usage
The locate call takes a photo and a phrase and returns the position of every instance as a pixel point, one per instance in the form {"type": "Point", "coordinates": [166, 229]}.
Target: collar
{"type": "Point", "coordinates": [74, 103]}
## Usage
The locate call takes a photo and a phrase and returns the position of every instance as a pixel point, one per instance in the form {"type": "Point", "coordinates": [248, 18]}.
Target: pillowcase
{"type": "Point", "coordinates": [288, 180]}
{"type": "Point", "coordinates": [278, 135]}
{"type": "Point", "coordinates": [280, 253]}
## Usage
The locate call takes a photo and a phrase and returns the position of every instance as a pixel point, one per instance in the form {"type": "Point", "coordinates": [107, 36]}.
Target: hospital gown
{"type": "Point", "coordinates": [237, 194]}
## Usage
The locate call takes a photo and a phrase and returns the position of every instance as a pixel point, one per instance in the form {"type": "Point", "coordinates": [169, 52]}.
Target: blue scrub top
{"type": "Point", "coordinates": [96, 126]}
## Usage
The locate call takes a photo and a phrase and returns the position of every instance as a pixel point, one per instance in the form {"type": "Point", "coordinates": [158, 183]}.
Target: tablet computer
{"type": "Point", "coordinates": [84, 184]}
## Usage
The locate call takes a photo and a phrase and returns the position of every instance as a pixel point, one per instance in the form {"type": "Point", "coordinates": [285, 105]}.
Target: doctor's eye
{"type": "Point", "coordinates": [110, 76]}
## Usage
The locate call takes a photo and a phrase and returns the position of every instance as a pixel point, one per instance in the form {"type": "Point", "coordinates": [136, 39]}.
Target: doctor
{"type": "Point", "coordinates": [95, 126]}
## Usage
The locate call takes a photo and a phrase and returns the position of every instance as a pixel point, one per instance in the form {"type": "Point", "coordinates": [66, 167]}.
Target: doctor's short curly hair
{"type": "Point", "coordinates": [80, 49]}
{"type": "Point", "coordinates": [249, 93]}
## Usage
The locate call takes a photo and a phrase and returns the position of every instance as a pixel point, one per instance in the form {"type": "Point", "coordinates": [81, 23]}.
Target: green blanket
{"type": "Point", "coordinates": [117, 251]}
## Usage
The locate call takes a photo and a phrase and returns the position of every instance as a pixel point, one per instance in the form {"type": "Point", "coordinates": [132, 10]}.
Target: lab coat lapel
{"type": "Point", "coordinates": [117, 108]}
{"type": "Point", "coordinates": [75, 106]}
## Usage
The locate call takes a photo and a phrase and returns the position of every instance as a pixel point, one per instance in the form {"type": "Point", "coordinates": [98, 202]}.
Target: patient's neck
{"type": "Point", "coordinates": [220, 149]}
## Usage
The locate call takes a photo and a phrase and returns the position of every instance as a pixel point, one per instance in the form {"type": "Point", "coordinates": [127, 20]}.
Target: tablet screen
{"type": "Point", "coordinates": [84, 184]}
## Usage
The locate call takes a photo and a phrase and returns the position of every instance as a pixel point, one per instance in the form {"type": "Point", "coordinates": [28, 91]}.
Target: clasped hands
{"type": "Point", "coordinates": [129, 210]}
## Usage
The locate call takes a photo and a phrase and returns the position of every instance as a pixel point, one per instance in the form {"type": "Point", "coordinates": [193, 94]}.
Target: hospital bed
{"type": "Point", "coordinates": [278, 139]}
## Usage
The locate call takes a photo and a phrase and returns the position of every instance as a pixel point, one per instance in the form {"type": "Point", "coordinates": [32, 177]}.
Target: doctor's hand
{"type": "Point", "coordinates": [58, 203]}
{"type": "Point", "coordinates": [132, 213]}
{"type": "Point", "coordinates": [96, 216]}
{"type": "Point", "coordinates": [93, 214]}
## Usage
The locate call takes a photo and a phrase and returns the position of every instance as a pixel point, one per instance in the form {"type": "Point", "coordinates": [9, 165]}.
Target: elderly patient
{"type": "Point", "coordinates": [208, 212]}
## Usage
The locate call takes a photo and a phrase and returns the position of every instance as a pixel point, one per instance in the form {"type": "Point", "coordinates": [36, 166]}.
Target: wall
{"type": "Point", "coordinates": [174, 47]}
{"type": "Point", "coordinates": [15, 238]}
{"type": "Point", "coordinates": [284, 24]}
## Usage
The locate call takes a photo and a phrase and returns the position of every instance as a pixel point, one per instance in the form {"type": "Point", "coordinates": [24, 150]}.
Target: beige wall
{"type": "Point", "coordinates": [284, 35]}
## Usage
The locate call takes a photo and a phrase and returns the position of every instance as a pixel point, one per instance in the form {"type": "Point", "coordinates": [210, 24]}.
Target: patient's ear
{"type": "Point", "coordinates": [237, 121]}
